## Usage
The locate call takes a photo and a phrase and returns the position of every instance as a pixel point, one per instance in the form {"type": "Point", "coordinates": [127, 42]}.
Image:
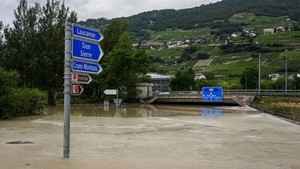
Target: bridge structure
{"type": "Point", "coordinates": [231, 97]}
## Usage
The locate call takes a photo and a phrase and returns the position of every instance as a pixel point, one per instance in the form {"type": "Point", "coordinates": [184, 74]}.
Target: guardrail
{"type": "Point", "coordinates": [263, 92]}
{"type": "Point", "coordinates": [236, 92]}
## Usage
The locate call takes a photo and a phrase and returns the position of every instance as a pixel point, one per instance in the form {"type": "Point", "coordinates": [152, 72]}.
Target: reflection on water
{"type": "Point", "coordinates": [138, 110]}
{"type": "Point", "coordinates": [212, 112]}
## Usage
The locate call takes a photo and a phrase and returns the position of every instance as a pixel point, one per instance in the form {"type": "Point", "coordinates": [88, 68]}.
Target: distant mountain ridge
{"type": "Point", "coordinates": [204, 15]}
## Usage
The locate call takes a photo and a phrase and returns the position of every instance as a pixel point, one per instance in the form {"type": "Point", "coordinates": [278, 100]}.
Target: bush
{"type": "Point", "coordinates": [204, 83]}
{"type": "Point", "coordinates": [24, 101]}
{"type": "Point", "coordinates": [16, 101]}
{"type": "Point", "coordinates": [184, 80]}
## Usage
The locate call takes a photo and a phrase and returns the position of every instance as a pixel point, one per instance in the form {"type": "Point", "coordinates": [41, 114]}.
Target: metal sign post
{"type": "Point", "coordinates": [67, 90]}
{"type": "Point", "coordinates": [83, 44]}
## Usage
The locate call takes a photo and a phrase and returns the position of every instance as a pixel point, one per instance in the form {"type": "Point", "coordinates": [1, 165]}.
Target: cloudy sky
{"type": "Point", "coordinates": [106, 8]}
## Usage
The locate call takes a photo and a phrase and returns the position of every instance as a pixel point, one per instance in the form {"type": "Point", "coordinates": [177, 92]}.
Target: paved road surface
{"type": "Point", "coordinates": [162, 137]}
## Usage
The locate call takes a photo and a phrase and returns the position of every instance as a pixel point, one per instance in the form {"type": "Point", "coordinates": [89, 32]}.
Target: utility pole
{"type": "Point", "coordinates": [259, 74]}
{"type": "Point", "coordinates": [286, 74]}
{"type": "Point", "coordinates": [67, 90]}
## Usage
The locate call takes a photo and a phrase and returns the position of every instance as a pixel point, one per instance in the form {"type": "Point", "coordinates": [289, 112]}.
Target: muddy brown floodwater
{"type": "Point", "coordinates": [152, 137]}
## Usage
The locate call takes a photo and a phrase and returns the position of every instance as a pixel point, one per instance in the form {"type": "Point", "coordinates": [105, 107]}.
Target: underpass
{"type": "Point", "coordinates": [231, 97]}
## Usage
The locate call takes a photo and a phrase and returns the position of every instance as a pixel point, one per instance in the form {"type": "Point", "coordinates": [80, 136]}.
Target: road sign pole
{"type": "Point", "coordinates": [67, 90]}
{"type": "Point", "coordinates": [286, 74]}
{"type": "Point", "coordinates": [259, 74]}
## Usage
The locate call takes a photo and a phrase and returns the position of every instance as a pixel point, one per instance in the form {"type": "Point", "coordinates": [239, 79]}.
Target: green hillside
{"type": "Point", "coordinates": [204, 15]}
{"type": "Point", "coordinates": [228, 62]}
{"type": "Point", "coordinates": [221, 40]}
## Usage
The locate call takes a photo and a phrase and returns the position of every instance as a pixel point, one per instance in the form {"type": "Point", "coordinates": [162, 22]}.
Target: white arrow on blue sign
{"type": "Point", "coordinates": [87, 33]}
{"type": "Point", "coordinates": [86, 51]}
{"type": "Point", "coordinates": [84, 67]}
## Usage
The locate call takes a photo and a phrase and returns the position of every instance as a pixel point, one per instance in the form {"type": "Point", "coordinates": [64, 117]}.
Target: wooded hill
{"type": "Point", "coordinates": [204, 15]}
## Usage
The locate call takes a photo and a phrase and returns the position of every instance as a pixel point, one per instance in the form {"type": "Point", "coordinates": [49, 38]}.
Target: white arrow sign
{"type": "Point", "coordinates": [110, 92]}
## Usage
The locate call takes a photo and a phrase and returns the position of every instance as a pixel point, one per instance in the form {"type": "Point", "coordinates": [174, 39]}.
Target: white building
{"type": "Point", "coordinates": [269, 31]}
{"type": "Point", "coordinates": [199, 76]}
{"type": "Point", "coordinates": [144, 90]}
{"type": "Point", "coordinates": [161, 83]}
{"type": "Point", "coordinates": [274, 76]}
{"type": "Point", "coordinates": [280, 29]}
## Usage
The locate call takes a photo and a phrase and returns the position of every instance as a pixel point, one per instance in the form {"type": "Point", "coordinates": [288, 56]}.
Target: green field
{"type": "Point", "coordinates": [173, 35]}
{"type": "Point", "coordinates": [281, 106]}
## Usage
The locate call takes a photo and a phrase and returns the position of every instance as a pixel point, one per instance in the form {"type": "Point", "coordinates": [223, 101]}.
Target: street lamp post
{"type": "Point", "coordinates": [259, 74]}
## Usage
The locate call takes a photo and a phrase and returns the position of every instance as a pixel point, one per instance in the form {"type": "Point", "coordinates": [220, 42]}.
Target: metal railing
{"type": "Point", "coordinates": [239, 92]}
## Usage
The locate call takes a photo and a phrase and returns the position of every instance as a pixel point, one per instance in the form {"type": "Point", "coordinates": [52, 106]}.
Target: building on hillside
{"type": "Point", "coordinates": [235, 35]}
{"type": "Point", "coordinates": [144, 90]}
{"type": "Point", "coordinates": [293, 75]}
{"type": "Point", "coordinates": [269, 31]}
{"type": "Point", "coordinates": [199, 76]}
{"type": "Point", "coordinates": [135, 45]}
{"type": "Point", "coordinates": [161, 83]}
{"type": "Point", "coordinates": [152, 45]}
{"type": "Point", "coordinates": [274, 76]}
{"type": "Point", "coordinates": [252, 35]}
{"type": "Point", "coordinates": [280, 29]}
{"type": "Point", "coordinates": [277, 76]}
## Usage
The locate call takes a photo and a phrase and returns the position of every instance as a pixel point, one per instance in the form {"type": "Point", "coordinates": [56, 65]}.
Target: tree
{"type": "Point", "coordinates": [123, 65]}
{"type": "Point", "coordinates": [35, 45]}
{"type": "Point", "coordinates": [249, 79]}
{"type": "Point", "coordinates": [1, 35]}
{"type": "Point", "coordinates": [1, 41]}
{"type": "Point", "coordinates": [184, 80]}
{"type": "Point", "coordinates": [113, 33]}
{"type": "Point", "coordinates": [52, 21]}
{"type": "Point", "coordinates": [15, 101]}
{"type": "Point", "coordinates": [126, 65]}
{"type": "Point", "coordinates": [21, 42]}
{"type": "Point", "coordinates": [297, 83]}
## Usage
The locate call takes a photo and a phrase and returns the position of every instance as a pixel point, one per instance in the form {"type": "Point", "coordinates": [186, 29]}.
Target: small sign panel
{"type": "Point", "coordinates": [78, 78]}
{"type": "Point", "coordinates": [87, 51]}
{"type": "Point", "coordinates": [213, 94]}
{"type": "Point", "coordinates": [84, 67]}
{"type": "Point", "coordinates": [87, 33]}
{"type": "Point", "coordinates": [111, 92]}
{"type": "Point", "coordinates": [77, 90]}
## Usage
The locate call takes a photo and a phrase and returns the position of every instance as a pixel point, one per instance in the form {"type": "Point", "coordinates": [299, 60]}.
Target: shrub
{"type": "Point", "coordinates": [25, 101]}
{"type": "Point", "coordinates": [16, 101]}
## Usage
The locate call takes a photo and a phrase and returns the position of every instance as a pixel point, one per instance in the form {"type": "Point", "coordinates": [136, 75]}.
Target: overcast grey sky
{"type": "Point", "coordinates": [106, 8]}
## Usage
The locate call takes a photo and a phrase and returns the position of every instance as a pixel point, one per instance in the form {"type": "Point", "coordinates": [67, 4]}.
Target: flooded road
{"type": "Point", "coordinates": [152, 137]}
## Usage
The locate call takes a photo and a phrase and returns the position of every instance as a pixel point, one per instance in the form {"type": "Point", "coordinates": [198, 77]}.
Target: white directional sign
{"type": "Point", "coordinates": [110, 92]}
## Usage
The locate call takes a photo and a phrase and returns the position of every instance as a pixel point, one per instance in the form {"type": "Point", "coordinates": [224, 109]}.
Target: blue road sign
{"type": "Point", "coordinates": [84, 67]}
{"type": "Point", "coordinates": [86, 51]}
{"type": "Point", "coordinates": [87, 33]}
{"type": "Point", "coordinates": [213, 94]}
